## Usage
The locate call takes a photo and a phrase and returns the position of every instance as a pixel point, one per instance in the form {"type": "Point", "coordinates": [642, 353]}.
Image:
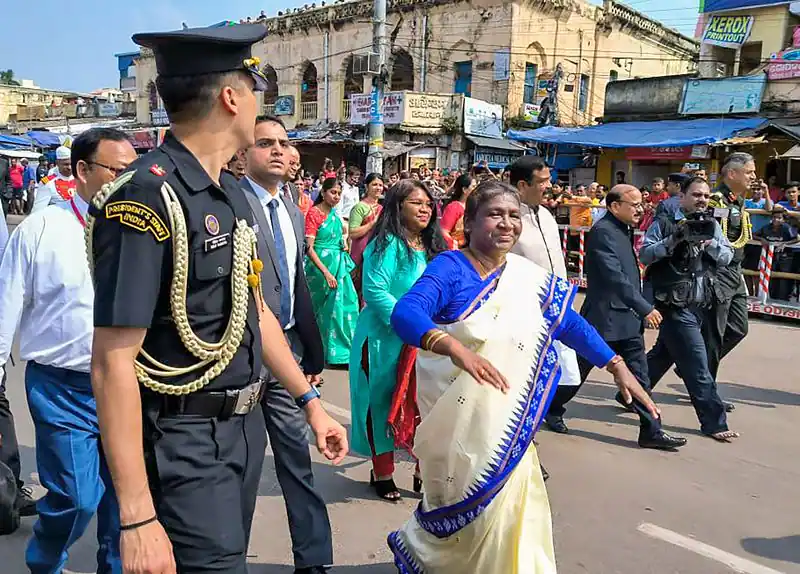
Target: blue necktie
{"type": "Point", "coordinates": [283, 266]}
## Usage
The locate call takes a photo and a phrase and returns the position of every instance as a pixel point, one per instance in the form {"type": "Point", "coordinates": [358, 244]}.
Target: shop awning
{"type": "Point", "coordinates": [495, 143]}
{"type": "Point", "coordinates": [394, 149]}
{"type": "Point", "coordinates": [792, 153]}
{"type": "Point", "coordinates": [666, 133]}
{"type": "Point", "coordinates": [7, 140]}
{"type": "Point", "coordinates": [788, 129]}
{"type": "Point", "coordinates": [44, 139]}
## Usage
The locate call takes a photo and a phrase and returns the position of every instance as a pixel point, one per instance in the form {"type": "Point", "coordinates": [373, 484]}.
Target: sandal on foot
{"type": "Point", "coordinates": [724, 436]}
{"type": "Point", "coordinates": [386, 488]}
{"type": "Point", "coordinates": [417, 484]}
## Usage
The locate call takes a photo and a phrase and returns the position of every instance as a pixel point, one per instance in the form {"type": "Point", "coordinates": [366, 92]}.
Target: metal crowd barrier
{"type": "Point", "coordinates": [759, 303]}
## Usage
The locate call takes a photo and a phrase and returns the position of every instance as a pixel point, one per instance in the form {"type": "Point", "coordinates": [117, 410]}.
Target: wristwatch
{"type": "Point", "coordinates": [309, 396]}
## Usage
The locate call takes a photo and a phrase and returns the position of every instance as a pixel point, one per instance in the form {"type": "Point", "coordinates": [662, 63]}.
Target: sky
{"type": "Point", "coordinates": [71, 46]}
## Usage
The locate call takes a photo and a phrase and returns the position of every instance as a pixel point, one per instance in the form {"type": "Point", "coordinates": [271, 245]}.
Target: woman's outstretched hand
{"type": "Point", "coordinates": [480, 369]}
{"type": "Point", "coordinates": [630, 388]}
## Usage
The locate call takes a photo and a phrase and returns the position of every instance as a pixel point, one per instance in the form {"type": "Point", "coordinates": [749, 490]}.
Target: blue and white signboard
{"type": "Point", "coordinates": [375, 115]}
{"type": "Point", "coordinates": [738, 95]}
{"type": "Point", "coordinates": [719, 5]}
{"type": "Point", "coordinates": [482, 118]}
{"type": "Point", "coordinates": [284, 106]}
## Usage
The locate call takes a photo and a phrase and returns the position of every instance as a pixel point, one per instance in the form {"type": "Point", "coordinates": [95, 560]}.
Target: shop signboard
{"type": "Point", "coordinates": [658, 153]}
{"type": "Point", "coordinates": [284, 106]}
{"type": "Point", "coordinates": [530, 113]}
{"type": "Point", "coordinates": [495, 158]}
{"type": "Point", "coordinates": [728, 31]}
{"type": "Point", "coordinates": [423, 110]}
{"type": "Point", "coordinates": [158, 117]}
{"type": "Point", "coordinates": [361, 107]}
{"type": "Point", "coordinates": [482, 118]}
{"type": "Point", "coordinates": [719, 5]}
{"type": "Point", "coordinates": [784, 65]}
{"type": "Point", "coordinates": [108, 110]}
{"type": "Point", "coordinates": [738, 95]}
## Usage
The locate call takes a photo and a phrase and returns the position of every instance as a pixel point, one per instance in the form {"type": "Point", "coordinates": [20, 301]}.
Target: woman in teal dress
{"type": "Point", "coordinates": [328, 267]}
{"type": "Point", "coordinates": [406, 237]}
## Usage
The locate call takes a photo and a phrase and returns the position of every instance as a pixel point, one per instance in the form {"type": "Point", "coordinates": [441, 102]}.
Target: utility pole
{"type": "Point", "coordinates": [376, 130]}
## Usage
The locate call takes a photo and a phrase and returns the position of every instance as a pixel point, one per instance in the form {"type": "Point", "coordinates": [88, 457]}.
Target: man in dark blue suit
{"type": "Point", "coordinates": [281, 241]}
{"type": "Point", "coordinates": [614, 305]}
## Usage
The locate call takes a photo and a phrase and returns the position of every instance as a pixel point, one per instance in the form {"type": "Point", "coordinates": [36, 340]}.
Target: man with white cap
{"type": "Point", "coordinates": [57, 187]}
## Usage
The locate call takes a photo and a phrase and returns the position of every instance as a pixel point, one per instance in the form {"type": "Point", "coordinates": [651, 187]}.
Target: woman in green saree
{"type": "Point", "coordinates": [328, 267]}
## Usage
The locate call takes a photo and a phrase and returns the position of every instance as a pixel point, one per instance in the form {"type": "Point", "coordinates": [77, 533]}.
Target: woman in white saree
{"type": "Point", "coordinates": [482, 314]}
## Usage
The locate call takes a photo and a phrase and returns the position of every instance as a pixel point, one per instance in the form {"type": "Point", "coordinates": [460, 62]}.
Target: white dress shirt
{"type": "Point", "coordinates": [46, 194]}
{"type": "Point", "coordinates": [3, 232]}
{"type": "Point", "coordinates": [350, 197]}
{"type": "Point", "coordinates": [287, 229]}
{"type": "Point", "coordinates": [46, 290]}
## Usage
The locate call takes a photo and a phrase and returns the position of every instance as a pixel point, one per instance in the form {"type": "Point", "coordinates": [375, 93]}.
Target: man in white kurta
{"type": "Point", "coordinates": [46, 292]}
{"type": "Point", "coordinates": [540, 241]}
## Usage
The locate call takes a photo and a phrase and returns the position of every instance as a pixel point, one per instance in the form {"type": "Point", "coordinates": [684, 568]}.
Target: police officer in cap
{"type": "Point", "coordinates": [683, 251]}
{"type": "Point", "coordinates": [181, 327]}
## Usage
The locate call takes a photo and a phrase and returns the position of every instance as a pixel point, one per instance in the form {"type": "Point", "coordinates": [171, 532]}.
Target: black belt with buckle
{"type": "Point", "coordinates": [219, 404]}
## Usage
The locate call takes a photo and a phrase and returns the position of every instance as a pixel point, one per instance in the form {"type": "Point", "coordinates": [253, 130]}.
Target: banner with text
{"type": "Point", "coordinates": [728, 31]}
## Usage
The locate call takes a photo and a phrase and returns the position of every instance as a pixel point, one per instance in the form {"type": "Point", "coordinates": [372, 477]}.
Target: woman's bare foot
{"type": "Point", "coordinates": [725, 436]}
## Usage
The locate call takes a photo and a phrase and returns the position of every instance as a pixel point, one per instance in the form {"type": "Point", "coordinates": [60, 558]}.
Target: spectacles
{"type": "Point", "coordinates": [115, 170]}
{"type": "Point", "coordinates": [418, 204]}
{"type": "Point", "coordinates": [638, 205]}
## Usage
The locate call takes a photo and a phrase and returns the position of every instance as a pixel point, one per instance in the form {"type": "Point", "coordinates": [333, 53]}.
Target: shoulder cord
{"type": "Point", "coordinates": [245, 271]}
{"type": "Point", "coordinates": [746, 234]}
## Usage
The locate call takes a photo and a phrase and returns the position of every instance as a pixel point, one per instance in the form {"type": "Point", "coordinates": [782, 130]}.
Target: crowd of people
{"type": "Point", "coordinates": [221, 281]}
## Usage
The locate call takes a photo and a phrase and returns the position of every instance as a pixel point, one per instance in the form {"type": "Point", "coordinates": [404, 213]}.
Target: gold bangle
{"type": "Point", "coordinates": [432, 339]}
{"type": "Point", "coordinates": [615, 360]}
{"type": "Point", "coordinates": [438, 339]}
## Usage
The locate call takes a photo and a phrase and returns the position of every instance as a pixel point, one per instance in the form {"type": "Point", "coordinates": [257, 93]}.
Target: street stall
{"type": "Point", "coordinates": [643, 150]}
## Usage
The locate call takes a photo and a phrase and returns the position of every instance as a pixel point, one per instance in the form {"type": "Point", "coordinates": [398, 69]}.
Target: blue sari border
{"type": "Point", "coordinates": [443, 522]}
{"type": "Point", "coordinates": [403, 560]}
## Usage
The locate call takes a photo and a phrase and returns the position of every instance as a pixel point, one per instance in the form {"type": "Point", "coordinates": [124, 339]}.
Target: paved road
{"type": "Point", "coordinates": [711, 509]}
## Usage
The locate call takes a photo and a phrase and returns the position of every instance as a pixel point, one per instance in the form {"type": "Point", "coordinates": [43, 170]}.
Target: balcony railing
{"type": "Point", "coordinates": [308, 111]}
{"type": "Point", "coordinates": [346, 110]}
{"type": "Point", "coordinates": [269, 109]}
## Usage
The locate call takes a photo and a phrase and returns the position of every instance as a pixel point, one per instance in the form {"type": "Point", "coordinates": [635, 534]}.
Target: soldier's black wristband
{"type": "Point", "coordinates": [136, 525]}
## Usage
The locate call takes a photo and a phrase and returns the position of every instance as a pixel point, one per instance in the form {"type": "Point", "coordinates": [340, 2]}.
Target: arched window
{"type": "Point", "coordinates": [271, 93]}
{"type": "Point", "coordinates": [309, 87]}
{"type": "Point", "coordinates": [152, 96]}
{"type": "Point", "coordinates": [352, 83]}
{"type": "Point", "coordinates": [402, 71]}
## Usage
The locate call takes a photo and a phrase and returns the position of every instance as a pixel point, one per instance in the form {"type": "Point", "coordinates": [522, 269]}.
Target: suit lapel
{"type": "Point", "coordinates": [264, 234]}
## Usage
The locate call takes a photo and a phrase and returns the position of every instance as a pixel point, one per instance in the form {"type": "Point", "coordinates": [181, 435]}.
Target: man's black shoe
{"type": "Point", "coordinates": [25, 503]}
{"type": "Point", "coordinates": [311, 570]}
{"type": "Point", "coordinates": [662, 441]}
{"type": "Point", "coordinates": [729, 407]}
{"type": "Point", "coordinates": [623, 404]}
{"type": "Point", "coordinates": [556, 424]}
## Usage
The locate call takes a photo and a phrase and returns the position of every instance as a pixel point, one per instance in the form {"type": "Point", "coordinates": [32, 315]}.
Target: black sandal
{"type": "Point", "coordinates": [386, 489]}
{"type": "Point", "coordinates": [417, 484]}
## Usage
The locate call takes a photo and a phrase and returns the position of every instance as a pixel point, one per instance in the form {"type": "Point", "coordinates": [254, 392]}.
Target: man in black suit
{"type": "Point", "coordinates": [614, 305]}
{"type": "Point", "coordinates": [280, 245]}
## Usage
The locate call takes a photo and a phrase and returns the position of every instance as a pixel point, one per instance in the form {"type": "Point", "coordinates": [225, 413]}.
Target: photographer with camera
{"type": "Point", "coordinates": [683, 251]}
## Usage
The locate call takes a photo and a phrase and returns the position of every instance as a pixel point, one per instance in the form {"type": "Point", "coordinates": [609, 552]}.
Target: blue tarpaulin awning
{"type": "Point", "coordinates": [665, 133]}
{"type": "Point", "coordinates": [44, 139]}
{"type": "Point", "coordinates": [15, 141]}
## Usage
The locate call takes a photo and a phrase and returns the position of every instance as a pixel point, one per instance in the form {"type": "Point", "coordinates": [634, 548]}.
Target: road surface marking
{"type": "Point", "coordinates": [338, 411]}
{"type": "Point", "coordinates": [735, 563]}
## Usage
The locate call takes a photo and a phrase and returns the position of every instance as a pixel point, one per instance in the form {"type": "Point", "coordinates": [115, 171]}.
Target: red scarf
{"type": "Point", "coordinates": [404, 417]}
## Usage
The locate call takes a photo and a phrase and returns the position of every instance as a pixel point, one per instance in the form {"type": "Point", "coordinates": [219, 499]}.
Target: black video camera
{"type": "Point", "coordinates": [697, 227]}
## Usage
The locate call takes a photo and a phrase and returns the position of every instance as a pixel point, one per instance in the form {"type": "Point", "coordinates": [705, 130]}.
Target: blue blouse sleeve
{"type": "Point", "coordinates": [577, 334]}
{"type": "Point", "coordinates": [413, 314]}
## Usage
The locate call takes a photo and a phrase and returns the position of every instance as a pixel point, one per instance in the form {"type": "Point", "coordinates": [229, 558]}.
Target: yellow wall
{"type": "Point", "coordinates": [544, 33]}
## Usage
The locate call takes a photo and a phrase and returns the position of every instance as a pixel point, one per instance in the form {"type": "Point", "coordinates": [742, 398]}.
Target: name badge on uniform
{"type": "Point", "coordinates": [217, 242]}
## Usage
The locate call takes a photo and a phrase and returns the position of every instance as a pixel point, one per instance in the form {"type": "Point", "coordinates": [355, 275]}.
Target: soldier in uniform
{"type": "Point", "coordinates": [726, 324]}
{"type": "Point", "coordinates": [181, 326]}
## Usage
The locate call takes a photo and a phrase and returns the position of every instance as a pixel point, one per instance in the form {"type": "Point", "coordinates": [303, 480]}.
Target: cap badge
{"type": "Point", "coordinates": [212, 224]}
{"type": "Point", "coordinates": [157, 170]}
{"type": "Point", "coordinates": [254, 62]}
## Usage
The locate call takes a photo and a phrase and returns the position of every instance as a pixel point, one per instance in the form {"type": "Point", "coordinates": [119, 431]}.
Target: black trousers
{"type": "Point", "coordinates": [9, 449]}
{"type": "Point", "coordinates": [309, 525]}
{"type": "Point", "coordinates": [632, 351]}
{"type": "Point", "coordinates": [680, 342]}
{"type": "Point", "coordinates": [204, 475]}
{"type": "Point", "coordinates": [724, 327]}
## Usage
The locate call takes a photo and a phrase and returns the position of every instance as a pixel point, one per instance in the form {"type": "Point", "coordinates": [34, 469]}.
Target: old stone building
{"type": "Point", "coordinates": [27, 102]}
{"type": "Point", "coordinates": [487, 49]}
